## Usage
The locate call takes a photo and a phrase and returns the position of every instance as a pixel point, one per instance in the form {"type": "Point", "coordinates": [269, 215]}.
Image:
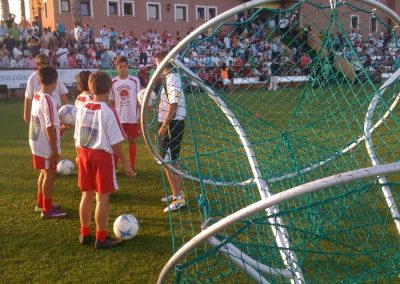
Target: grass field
{"type": "Point", "coordinates": [47, 251]}
{"type": "Point", "coordinates": [35, 250]}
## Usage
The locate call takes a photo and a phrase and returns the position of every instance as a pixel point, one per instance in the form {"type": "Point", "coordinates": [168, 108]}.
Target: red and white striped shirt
{"type": "Point", "coordinates": [124, 93]}
{"type": "Point", "coordinates": [44, 114]}
{"type": "Point", "coordinates": [82, 99]}
{"type": "Point", "coordinates": [97, 127]}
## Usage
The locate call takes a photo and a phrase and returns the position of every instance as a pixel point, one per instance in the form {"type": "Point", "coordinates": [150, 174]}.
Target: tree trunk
{"type": "Point", "coordinates": [76, 11]}
{"type": "Point", "coordinates": [5, 9]}
{"type": "Point", "coordinates": [23, 8]}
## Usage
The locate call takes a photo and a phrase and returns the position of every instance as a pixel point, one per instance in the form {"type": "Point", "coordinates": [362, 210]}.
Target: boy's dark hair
{"type": "Point", "coordinates": [120, 59]}
{"type": "Point", "coordinates": [47, 75]}
{"type": "Point", "coordinates": [160, 57]}
{"type": "Point", "coordinates": [99, 83]}
{"type": "Point", "coordinates": [82, 81]}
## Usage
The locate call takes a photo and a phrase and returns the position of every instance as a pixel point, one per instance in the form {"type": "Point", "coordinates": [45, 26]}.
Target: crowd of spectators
{"type": "Point", "coordinates": [78, 48]}
{"type": "Point", "coordinates": [244, 51]}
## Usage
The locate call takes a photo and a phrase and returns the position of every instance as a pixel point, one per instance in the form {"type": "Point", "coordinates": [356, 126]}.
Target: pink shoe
{"type": "Point", "coordinates": [39, 209]}
{"type": "Point", "coordinates": [53, 214]}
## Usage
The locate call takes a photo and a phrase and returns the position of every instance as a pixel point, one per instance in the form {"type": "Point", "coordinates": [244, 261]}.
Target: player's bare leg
{"type": "Point", "coordinates": [132, 153]}
{"type": "Point", "coordinates": [85, 208]}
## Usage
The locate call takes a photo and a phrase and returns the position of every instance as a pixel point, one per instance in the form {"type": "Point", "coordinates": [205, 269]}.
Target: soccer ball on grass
{"type": "Point", "coordinates": [126, 227]}
{"type": "Point", "coordinates": [65, 167]}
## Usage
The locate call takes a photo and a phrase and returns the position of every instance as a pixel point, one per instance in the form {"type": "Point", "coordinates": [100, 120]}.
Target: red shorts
{"type": "Point", "coordinates": [40, 163]}
{"type": "Point", "coordinates": [96, 171]}
{"type": "Point", "coordinates": [131, 129]}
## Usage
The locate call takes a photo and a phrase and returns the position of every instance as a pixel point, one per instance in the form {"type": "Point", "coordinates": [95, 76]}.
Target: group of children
{"type": "Point", "coordinates": [108, 113]}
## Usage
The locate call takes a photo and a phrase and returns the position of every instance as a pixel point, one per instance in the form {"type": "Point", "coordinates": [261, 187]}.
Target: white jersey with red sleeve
{"type": "Point", "coordinates": [97, 127]}
{"type": "Point", "coordinates": [82, 99]}
{"type": "Point", "coordinates": [32, 87]}
{"type": "Point", "coordinates": [44, 114]}
{"type": "Point", "coordinates": [124, 94]}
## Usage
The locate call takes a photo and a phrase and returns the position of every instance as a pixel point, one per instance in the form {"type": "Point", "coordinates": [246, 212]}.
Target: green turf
{"type": "Point", "coordinates": [47, 251]}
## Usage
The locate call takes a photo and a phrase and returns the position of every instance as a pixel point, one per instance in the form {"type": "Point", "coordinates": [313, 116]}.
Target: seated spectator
{"type": "Point", "coordinates": [14, 32]}
{"type": "Point", "coordinates": [72, 60]}
{"type": "Point", "coordinates": [237, 65]}
{"type": "Point", "coordinates": [9, 43]}
{"type": "Point", "coordinates": [44, 49]}
{"type": "Point", "coordinates": [17, 63]}
{"type": "Point", "coordinates": [3, 30]}
{"type": "Point", "coordinates": [17, 50]}
{"type": "Point", "coordinates": [96, 62]}
{"type": "Point", "coordinates": [29, 61]}
{"type": "Point", "coordinates": [224, 74]}
{"type": "Point", "coordinates": [305, 63]}
{"type": "Point", "coordinates": [4, 58]}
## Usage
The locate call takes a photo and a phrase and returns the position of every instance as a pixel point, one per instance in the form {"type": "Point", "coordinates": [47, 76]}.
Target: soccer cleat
{"type": "Point", "coordinates": [168, 198]}
{"type": "Point", "coordinates": [175, 205]}
{"type": "Point", "coordinates": [108, 243]}
{"type": "Point", "coordinates": [53, 214]}
{"type": "Point", "coordinates": [84, 240]}
{"type": "Point", "coordinates": [39, 209]}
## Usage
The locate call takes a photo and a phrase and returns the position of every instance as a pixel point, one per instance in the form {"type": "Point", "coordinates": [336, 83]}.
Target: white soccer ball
{"type": "Point", "coordinates": [65, 167]}
{"type": "Point", "coordinates": [68, 114]}
{"type": "Point", "coordinates": [126, 227]}
{"type": "Point", "coordinates": [140, 97]}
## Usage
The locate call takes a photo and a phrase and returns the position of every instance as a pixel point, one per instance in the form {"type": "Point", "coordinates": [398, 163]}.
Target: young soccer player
{"type": "Point", "coordinates": [59, 93]}
{"type": "Point", "coordinates": [98, 137]}
{"type": "Point", "coordinates": [44, 139]}
{"type": "Point", "coordinates": [83, 86]}
{"type": "Point", "coordinates": [171, 116]}
{"type": "Point", "coordinates": [123, 97]}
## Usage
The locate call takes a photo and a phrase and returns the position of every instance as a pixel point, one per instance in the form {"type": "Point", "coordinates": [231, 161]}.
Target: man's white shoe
{"type": "Point", "coordinates": [168, 198]}
{"type": "Point", "coordinates": [175, 205]}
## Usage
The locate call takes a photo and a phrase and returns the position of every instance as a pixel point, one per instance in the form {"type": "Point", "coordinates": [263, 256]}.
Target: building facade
{"type": "Point", "coordinates": [363, 18]}
{"type": "Point", "coordinates": [132, 15]}
{"type": "Point", "coordinates": [180, 16]}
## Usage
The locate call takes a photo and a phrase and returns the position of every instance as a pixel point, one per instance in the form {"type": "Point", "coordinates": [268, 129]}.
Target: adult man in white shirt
{"type": "Point", "coordinates": [77, 35]}
{"type": "Point", "coordinates": [171, 116]}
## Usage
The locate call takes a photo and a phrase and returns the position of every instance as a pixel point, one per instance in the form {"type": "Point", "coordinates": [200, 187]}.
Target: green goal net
{"type": "Point", "coordinates": [280, 94]}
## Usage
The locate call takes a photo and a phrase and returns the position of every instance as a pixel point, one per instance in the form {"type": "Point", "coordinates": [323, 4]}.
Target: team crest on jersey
{"type": "Point", "coordinates": [88, 136]}
{"type": "Point", "coordinates": [124, 93]}
{"type": "Point", "coordinates": [34, 128]}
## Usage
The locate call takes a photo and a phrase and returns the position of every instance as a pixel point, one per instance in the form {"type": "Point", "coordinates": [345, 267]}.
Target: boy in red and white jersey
{"type": "Point", "coordinates": [33, 86]}
{"type": "Point", "coordinates": [98, 137]}
{"type": "Point", "coordinates": [123, 97]}
{"type": "Point", "coordinates": [44, 140]}
{"type": "Point", "coordinates": [82, 84]}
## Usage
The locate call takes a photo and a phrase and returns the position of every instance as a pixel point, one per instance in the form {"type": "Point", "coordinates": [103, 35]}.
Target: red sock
{"type": "Point", "coordinates": [46, 204]}
{"type": "Point", "coordinates": [101, 236]}
{"type": "Point", "coordinates": [116, 161]}
{"type": "Point", "coordinates": [40, 199]}
{"type": "Point", "coordinates": [132, 154]}
{"type": "Point", "coordinates": [85, 231]}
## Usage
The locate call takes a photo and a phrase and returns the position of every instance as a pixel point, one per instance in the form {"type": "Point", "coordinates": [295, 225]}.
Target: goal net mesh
{"type": "Point", "coordinates": [300, 79]}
